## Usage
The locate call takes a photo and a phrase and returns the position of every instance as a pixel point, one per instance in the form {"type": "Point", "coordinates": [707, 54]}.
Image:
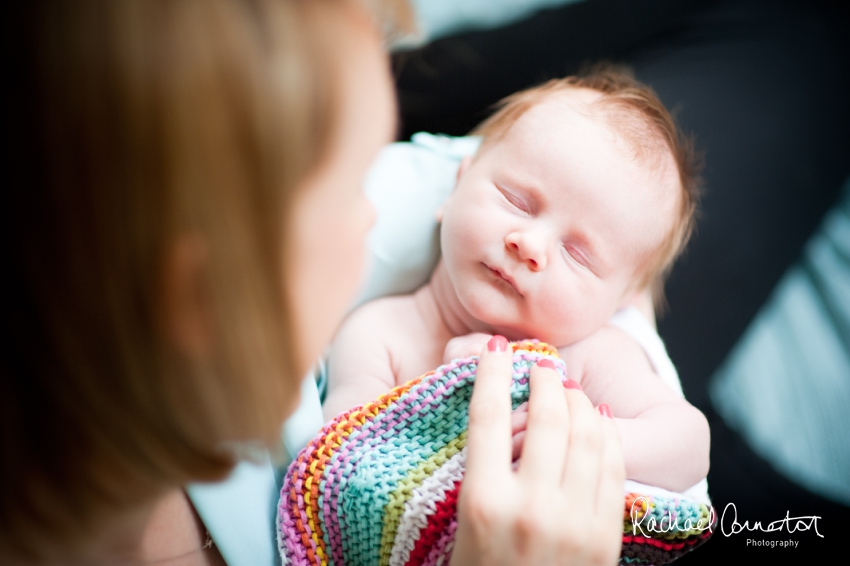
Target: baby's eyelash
{"type": "Point", "coordinates": [514, 200]}
{"type": "Point", "coordinates": [577, 255]}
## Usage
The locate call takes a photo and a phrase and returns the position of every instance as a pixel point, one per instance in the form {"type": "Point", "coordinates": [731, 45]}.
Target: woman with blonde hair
{"type": "Point", "coordinates": [187, 229]}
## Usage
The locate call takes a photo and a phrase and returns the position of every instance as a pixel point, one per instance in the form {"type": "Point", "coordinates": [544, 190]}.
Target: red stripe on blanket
{"type": "Point", "coordinates": [437, 525]}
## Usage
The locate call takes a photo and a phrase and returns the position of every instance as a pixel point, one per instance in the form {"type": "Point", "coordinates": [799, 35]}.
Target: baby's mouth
{"type": "Point", "coordinates": [504, 277]}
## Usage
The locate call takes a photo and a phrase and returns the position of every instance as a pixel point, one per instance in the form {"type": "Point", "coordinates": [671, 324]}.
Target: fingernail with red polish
{"type": "Point", "coordinates": [605, 411]}
{"type": "Point", "coordinates": [545, 363]}
{"type": "Point", "coordinates": [572, 384]}
{"type": "Point", "coordinates": [497, 344]}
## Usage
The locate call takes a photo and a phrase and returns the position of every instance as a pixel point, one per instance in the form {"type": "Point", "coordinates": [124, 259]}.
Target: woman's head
{"type": "Point", "coordinates": [163, 150]}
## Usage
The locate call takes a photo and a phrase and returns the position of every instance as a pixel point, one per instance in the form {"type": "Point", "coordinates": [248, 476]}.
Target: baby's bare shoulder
{"type": "Point", "coordinates": [381, 317]}
{"type": "Point", "coordinates": [367, 338]}
{"type": "Point", "coordinates": [395, 331]}
{"type": "Point", "coordinates": [363, 357]}
{"type": "Point", "coordinates": [608, 346]}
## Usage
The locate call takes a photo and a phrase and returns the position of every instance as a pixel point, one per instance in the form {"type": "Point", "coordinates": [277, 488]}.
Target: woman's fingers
{"type": "Point", "coordinates": [547, 427]}
{"type": "Point", "coordinates": [564, 506]}
{"type": "Point", "coordinates": [581, 472]}
{"type": "Point", "coordinates": [609, 495]}
{"type": "Point", "coordinates": [489, 436]}
{"type": "Point", "coordinates": [486, 500]}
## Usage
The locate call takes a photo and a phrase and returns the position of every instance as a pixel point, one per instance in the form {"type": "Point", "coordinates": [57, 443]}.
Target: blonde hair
{"type": "Point", "coordinates": [637, 114]}
{"type": "Point", "coordinates": [135, 123]}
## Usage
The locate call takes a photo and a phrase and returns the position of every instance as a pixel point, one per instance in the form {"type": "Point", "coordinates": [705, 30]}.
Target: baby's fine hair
{"type": "Point", "coordinates": [636, 113]}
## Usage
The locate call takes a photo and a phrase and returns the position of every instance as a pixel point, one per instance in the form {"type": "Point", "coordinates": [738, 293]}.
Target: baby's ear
{"type": "Point", "coordinates": [464, 165]}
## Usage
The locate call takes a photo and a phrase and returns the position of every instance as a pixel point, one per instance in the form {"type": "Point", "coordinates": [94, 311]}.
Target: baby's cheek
{"type": "Point", "coordinates": [569, 317]}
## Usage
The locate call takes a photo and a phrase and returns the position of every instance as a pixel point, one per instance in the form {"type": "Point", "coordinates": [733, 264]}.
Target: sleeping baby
{"type": "Point", "coordinates": [573, 209]}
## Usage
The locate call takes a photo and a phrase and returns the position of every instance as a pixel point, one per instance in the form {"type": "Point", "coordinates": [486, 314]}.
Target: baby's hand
{"type": "Point", "coordinates": [465, 346]}
{"type": "Point", "coordinates": [519, 420]}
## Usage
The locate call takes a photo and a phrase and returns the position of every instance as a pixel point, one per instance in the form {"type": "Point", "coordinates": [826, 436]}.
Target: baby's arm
{"type": "Point", "coordinates": [382, 344]}
{"type": "Point", "coordinates": [665, 438]}
{"type": "Point", "coordinates": [360, 366]}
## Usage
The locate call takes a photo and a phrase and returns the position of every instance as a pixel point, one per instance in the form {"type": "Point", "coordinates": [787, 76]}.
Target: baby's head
{"type": "Point", "coordinates": [581, 196]}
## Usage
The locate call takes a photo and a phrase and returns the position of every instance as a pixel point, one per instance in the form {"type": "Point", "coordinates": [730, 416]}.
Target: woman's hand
{"type": "Point", "coordinates": [564, 504]}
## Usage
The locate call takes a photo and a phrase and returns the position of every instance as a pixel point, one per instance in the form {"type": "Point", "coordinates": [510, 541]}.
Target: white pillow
{"type": "Point", "coordinates": [407, 184]}
{"type": "Point", "coordinates": [440, 18]}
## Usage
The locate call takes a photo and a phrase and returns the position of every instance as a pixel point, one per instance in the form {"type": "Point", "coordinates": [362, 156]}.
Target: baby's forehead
{"type": "Point", "coordinates": [633, 133]}
{"type": "Point", "coordinates": [554, 111]}
{"type": "Point", "coordinates": [583, 107]}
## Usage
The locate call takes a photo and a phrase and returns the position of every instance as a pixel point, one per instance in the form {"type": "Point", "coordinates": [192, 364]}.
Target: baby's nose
{"type": "Point", "coordinates": [529, 248]}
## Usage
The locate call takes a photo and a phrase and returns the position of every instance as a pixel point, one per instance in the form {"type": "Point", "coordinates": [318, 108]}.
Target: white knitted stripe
{"type": "Point", "coordinates": [281, 545]}
{"type": "Point", "coordinates": [422, 504]}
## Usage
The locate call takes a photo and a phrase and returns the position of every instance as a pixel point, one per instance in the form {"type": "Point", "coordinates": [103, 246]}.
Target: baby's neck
{"type": "Point", "coordinates": [442, 310]}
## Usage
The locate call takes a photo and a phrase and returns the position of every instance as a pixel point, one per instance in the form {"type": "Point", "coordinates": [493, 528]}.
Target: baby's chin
{"type": "Point", "coordinates": [558, 340]}
{"type": "Point", "coordinates": [515, 327]}
{"type": "Point", "coordinates": [521, 330]}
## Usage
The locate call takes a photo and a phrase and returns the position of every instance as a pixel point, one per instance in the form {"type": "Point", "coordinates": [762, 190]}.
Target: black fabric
{"type": "Point", "coordinates": [760, 493]}
{"type": "Point", "coordinates": [449, 85]}
{"type": "Point", "coordinates": [763, 88]}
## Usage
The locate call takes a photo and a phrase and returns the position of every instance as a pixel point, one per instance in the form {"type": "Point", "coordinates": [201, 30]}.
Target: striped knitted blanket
{"type": "Point", "coordinates": [379, 484]}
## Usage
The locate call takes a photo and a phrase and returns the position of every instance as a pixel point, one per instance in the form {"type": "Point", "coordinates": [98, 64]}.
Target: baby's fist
{"type": "Point", "coordinates": [463, 347]}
